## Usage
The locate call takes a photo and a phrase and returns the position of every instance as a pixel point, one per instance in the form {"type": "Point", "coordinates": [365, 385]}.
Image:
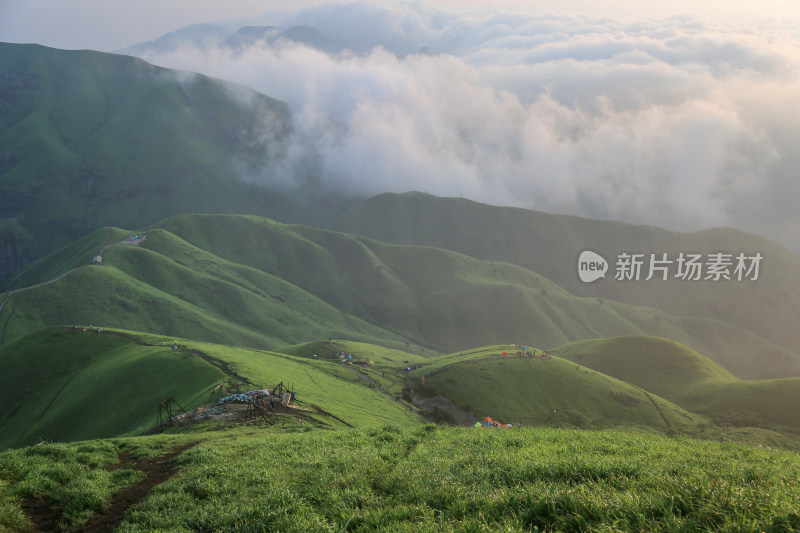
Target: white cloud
{"type": "Point", "coordinates": [683, 122]}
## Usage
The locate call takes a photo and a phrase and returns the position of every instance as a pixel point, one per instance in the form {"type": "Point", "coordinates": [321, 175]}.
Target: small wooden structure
{"type": "Point", "coordinates": [167, 412]}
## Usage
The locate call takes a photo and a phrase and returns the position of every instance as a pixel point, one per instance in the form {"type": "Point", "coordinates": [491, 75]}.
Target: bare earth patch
{"type": "Point", "coordinates": [156, 469]}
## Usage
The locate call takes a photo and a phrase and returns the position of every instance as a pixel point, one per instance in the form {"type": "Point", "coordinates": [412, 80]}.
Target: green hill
{"type": "Point", "coordinates": [658, 365]}
{"type": "Point", "coordinates": [64, 384]}
{"type": "Point", "coordinates": [536, 391]}
{"type": "Point", "coordinates": [77, 254]}
{"type": "Point", "coordinates": [251, 281]}
{"type": "Point", "coordinates": [69, 384]}
{"type": "Point", "coordinates": [90, 139]}
{"type": "Point", "coordinates": [550, 244]}
{"type": "Point", "coordinates": [691, 380]}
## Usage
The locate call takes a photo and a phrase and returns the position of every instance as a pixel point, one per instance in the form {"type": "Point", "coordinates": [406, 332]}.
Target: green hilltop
{"type": "Point", "coordinates": [354, 451]}
{"type": "Point", "coordinates": [68, 385]}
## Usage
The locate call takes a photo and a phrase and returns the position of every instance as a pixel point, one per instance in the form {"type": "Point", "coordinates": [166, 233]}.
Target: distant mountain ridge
{"type": "Point", "coordinates": [203, 36]}
{"type": "Point", "coordinates": [251, 35]}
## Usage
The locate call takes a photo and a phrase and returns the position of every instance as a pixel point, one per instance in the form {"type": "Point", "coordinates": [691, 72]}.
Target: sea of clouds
{"type": "Point", "coordinates": [683, 122]}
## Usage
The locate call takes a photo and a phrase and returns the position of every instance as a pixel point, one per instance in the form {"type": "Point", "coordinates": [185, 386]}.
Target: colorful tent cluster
{"type": "Point", "coordinates": [489, 423]}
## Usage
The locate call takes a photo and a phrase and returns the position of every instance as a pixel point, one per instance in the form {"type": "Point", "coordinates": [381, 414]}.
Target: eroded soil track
{"type": "Point", "coordinates": [156, 469]}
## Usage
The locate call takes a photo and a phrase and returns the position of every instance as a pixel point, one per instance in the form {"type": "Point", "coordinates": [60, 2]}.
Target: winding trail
{"type": "Point", "coordinates": [157, 470]}
{"type": "Point", "coordinates": [65, 274]}
{"type": "Point", "coordinates": [663, 417]}
{"type": "Point", "coordinates": [380, 389]}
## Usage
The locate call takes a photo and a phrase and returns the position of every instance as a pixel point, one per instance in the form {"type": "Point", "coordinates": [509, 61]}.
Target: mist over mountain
{"type": "Point", "coordinates": [89, 138]}
{"type": "Point", "coordinates": [682, 122]}
{"type": "Point", "coordinates": [210, 36]}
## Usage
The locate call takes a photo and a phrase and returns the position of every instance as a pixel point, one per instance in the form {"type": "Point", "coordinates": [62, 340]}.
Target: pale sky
{"type": "Point", "coordinates": [110, 25]}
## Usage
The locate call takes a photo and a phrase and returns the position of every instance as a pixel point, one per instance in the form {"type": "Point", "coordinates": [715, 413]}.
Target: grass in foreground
{"type": "Point", "coordinates": [434, 479]}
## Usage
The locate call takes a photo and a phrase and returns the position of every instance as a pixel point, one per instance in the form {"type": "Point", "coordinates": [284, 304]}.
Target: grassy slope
{"type": "Point", "coordinates": [550, 392]}
{"type": "Point", "coordinates": [184, 292]}
{"type": "Point", "coordinates": [331, 386]}
{"type": "Point", "coordinates": [67, 385]}
{"type": "Point", "coordinates": [422, 479]}
{"type": "Point", "coordinates": [105, 296]}
{"type": "Point", "coordinates": [95, 139]}
{"type": "Point", "coordinates": [691, 380]}
{"type": "Point", "coordinates": [285, 283]}
{"type": "Point", "coordinates": [387, 370]}
{"type": "Point", "coordinates": [550, 244]}
{"type": "Point", "coordinates": [446, 300]}
{"type": "Point", "coordinates": [77, 254]}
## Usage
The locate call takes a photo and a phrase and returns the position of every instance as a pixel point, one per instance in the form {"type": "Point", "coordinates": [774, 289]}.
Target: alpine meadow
{"type": "Point", "coordinates": [399, 267]}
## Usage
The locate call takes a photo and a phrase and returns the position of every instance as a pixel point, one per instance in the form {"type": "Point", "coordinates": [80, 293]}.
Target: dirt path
{"type": "Point", "coordinates": [380, 389]}
{"type": "Point", "coordinates": [57, 278]}
{"type": "Point", "coordinates": [483, 360]}
{"type": "Point", "coordinates": [15, 291]}
{"type": "Point", "coordinates": [221, 365]}
{"type": "Point", "coordinates": [664, 418]}
{"type": "Point", "coordinates": [156, 469]}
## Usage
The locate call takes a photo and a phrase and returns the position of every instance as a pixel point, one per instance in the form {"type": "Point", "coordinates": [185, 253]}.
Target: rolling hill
{"type": "Point", "coordinates": [550, 244]}
{"type": "Point", "coordinates": [691, 380]}
{"type": "Point", "coordinates": [65, 385]}
{"type": "Point", "coordinates": [251, 281]}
